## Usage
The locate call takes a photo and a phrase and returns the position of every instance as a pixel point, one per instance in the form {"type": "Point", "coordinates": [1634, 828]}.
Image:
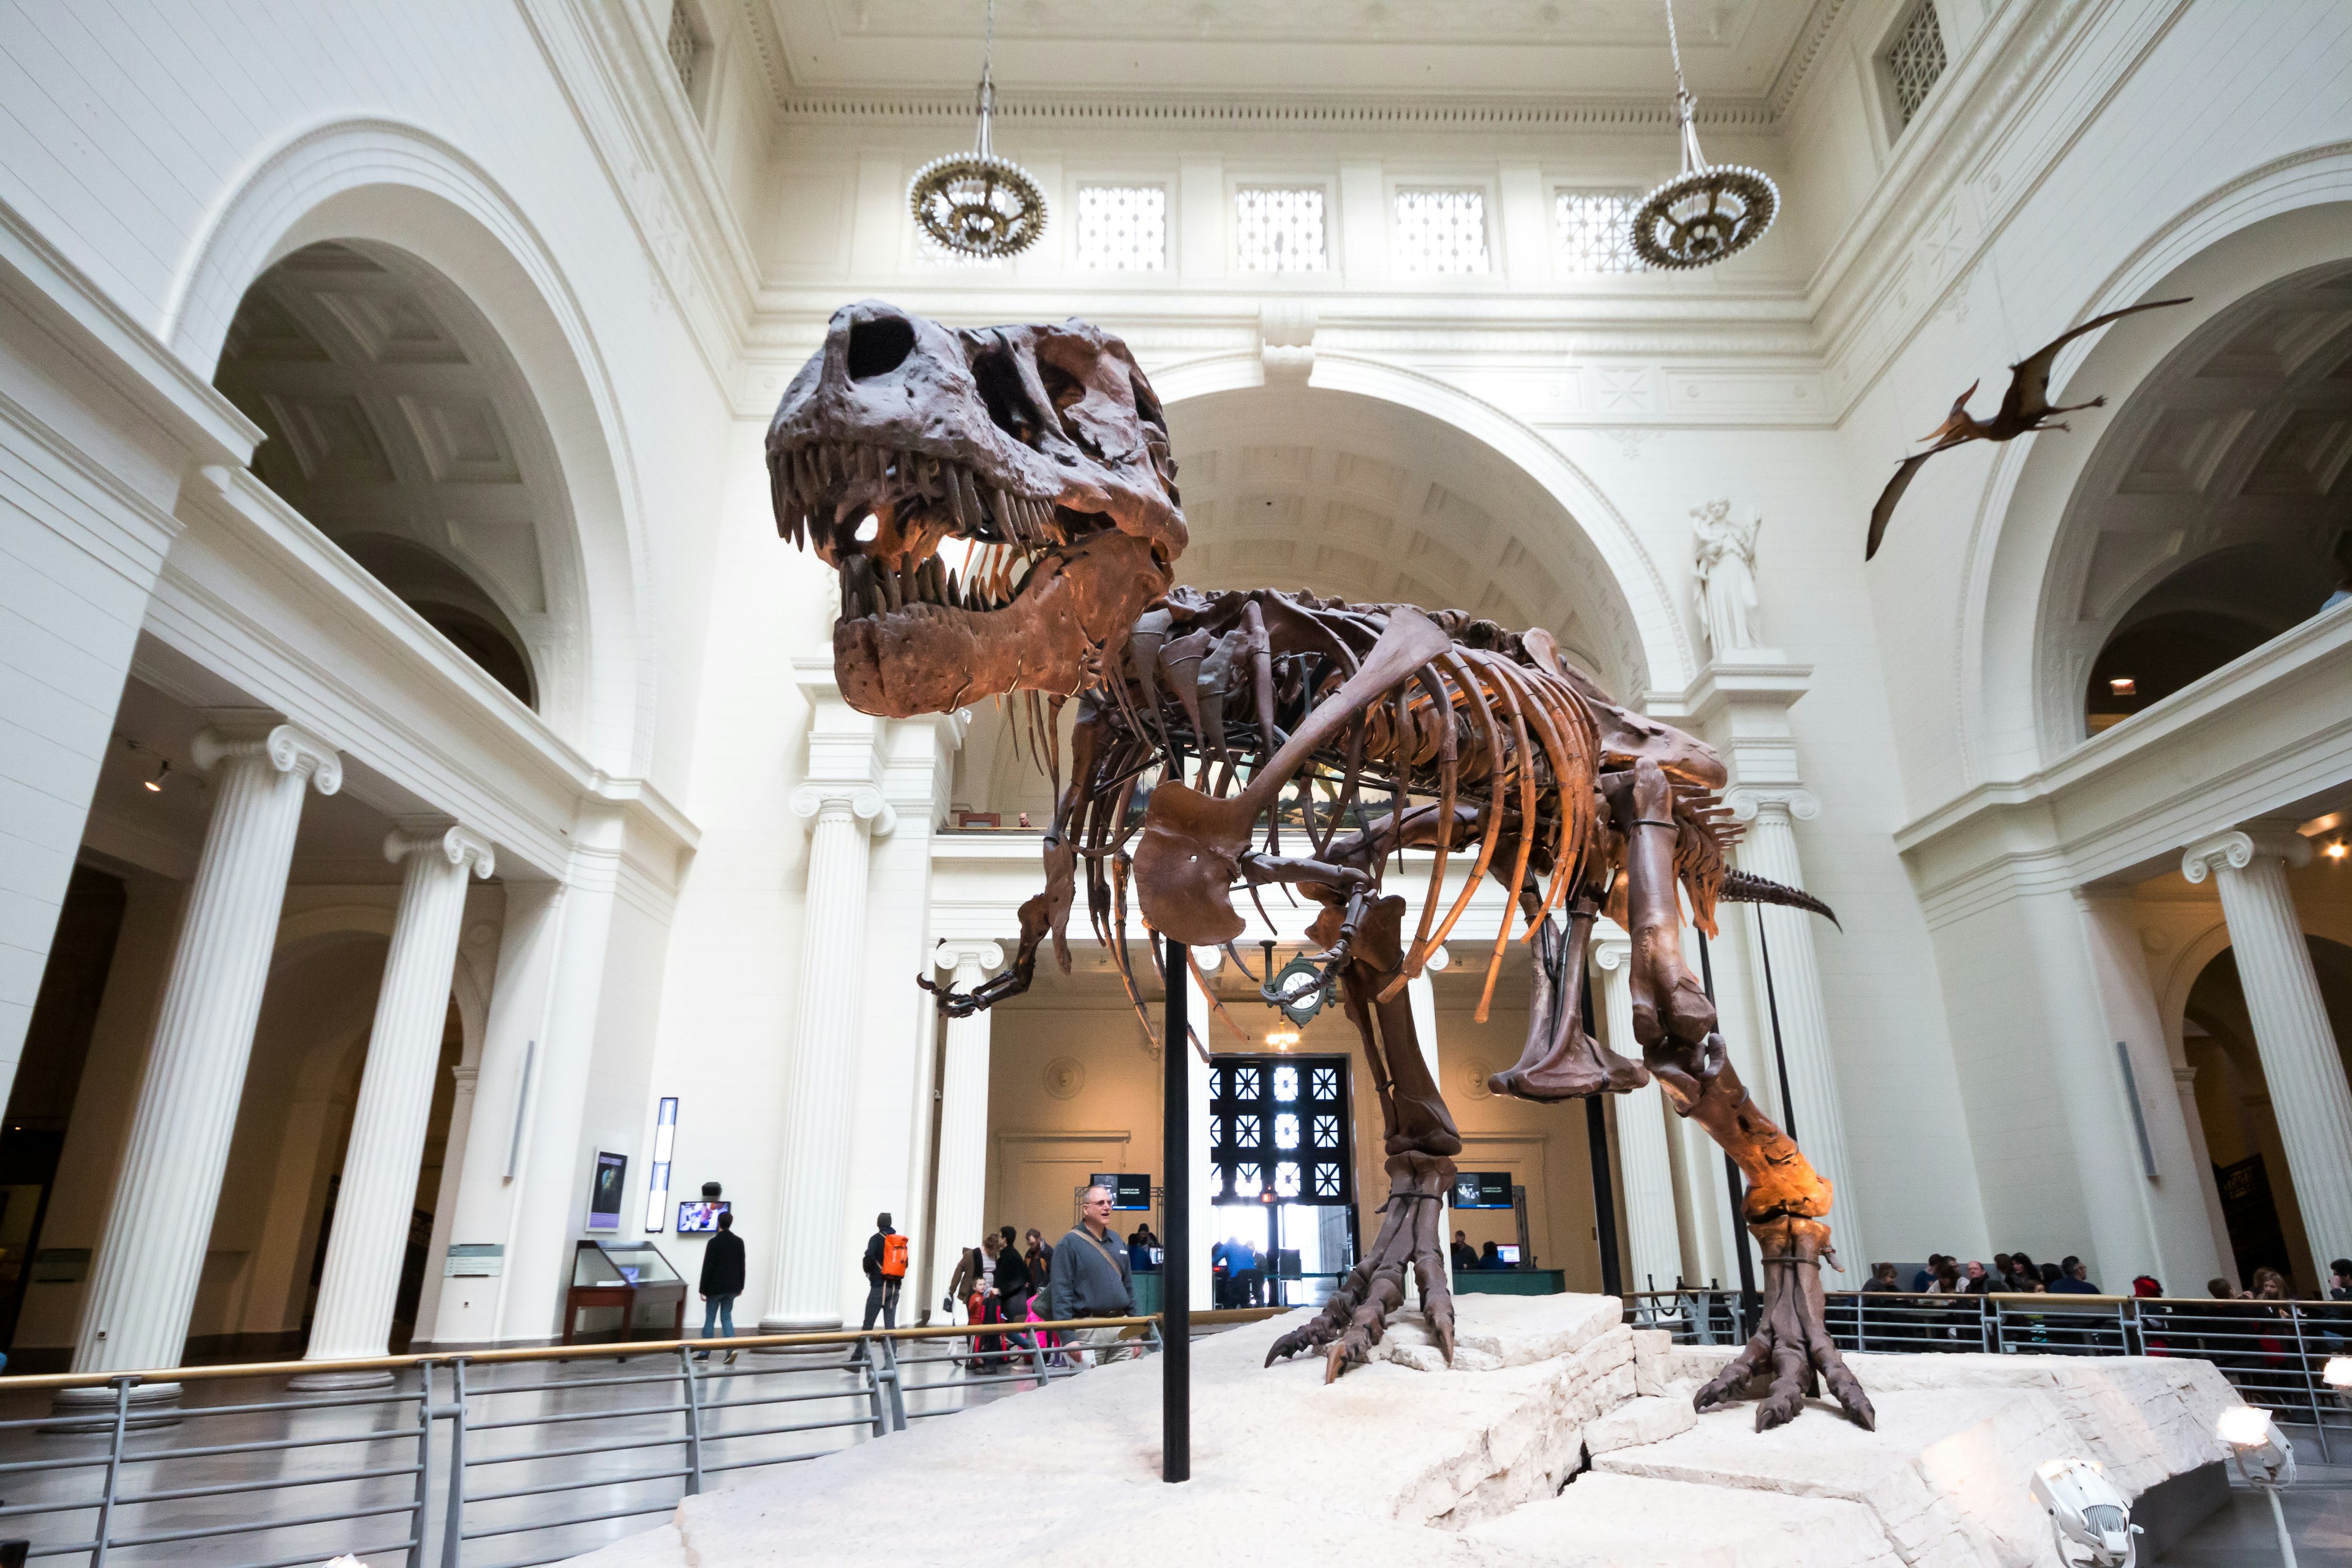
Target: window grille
{"type": "Point", "coordinates": [684, 48]}
{"type": "Point", "coordinates": [1441, 231]}
{"type": "Point", "coordinates": [1280, 230]}
{"type": "Point", "coordinates": [1916, 60]}
{"type": "Point", "coordinates": [1122, 228]}
{"type": "Point", "coordinates": [1596, 230]}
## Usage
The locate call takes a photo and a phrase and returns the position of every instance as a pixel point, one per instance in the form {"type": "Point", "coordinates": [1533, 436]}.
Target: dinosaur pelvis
{"type": "Point", "coordinates": [1184, 865]}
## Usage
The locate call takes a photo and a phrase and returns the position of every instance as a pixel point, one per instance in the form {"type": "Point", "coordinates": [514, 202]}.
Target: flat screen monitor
{"type": "Point", "coordinates": [1482, 1190]}
{"type": "Point", "coordinates": [696, 1214]}
{"type": "Point", "coordinates": [1130, 1191]}
{"type": "Point", "coordinates": [1510, 1255]}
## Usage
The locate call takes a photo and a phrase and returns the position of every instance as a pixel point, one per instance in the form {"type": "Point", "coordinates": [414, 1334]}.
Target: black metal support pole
{"type": "Point", "coordinates": [1751, 1305]}
{"type": "Point", "coordinates": [1176, 1269]}
{"type": "Point", "coordinates": [1604, 1196]}
{"type": "Point", "coordinates": [1779, 1051]}
{"type": "Point", "coordinates": [1604, 1188]}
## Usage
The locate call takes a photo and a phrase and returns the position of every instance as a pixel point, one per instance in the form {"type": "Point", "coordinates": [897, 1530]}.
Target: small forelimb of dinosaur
{"type": "Point", "coordinates": [1041, 915]}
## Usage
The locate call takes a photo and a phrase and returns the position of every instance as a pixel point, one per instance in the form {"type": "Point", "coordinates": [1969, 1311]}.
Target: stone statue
{"type": "Point", "coordinates": [1725, 567]}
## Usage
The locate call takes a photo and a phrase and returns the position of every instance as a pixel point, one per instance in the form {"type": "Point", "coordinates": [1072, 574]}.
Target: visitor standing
{"type": "Point", "coordinates": [886, 1271]}
{"type": "Point", "coordinates": [1092, 1280]}
{"type": "Point", "coordinates": [1040, 1259]}
{"type": "Point", "coordinates": [1464, 1254]}
{"type": "Point", "coordinates": [2073, 1279]}
{"type": "Point", "coordinates": [722, 1282]}
{"type": "Point", "coordinates": [1014, 1283]}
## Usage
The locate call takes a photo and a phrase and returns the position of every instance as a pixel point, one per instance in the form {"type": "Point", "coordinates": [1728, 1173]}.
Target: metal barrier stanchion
{"type": "Point", "coordinates": [453, 1524]}
{"type": "Point", "coordinates": [425, 1414]}
{"type": "Point", "coordinates": [889, 1372]}
{"type": "Point", "coordinates": [1176, 1272]}
{"type": "Point", "coordinates": [2310, 1389]}
{"type": "Point", "coordinates": [692, 1385]}
{"type": "Point", "coordinates": [122, 1386]}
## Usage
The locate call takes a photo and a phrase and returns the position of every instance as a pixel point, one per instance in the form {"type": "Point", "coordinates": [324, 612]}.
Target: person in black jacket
{"type": "Point", "coordinates": [1014, 1283]}
{"type": "Point", "coordinates": [881, 1290]}
{"type": "Point", "coordinates": [722, 1282]}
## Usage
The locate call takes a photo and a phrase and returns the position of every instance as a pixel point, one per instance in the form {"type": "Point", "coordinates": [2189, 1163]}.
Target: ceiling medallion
{"type": "Point", "coordinates": [1705, 214]}
{"type": "Point", "coordinates": [977, 204]}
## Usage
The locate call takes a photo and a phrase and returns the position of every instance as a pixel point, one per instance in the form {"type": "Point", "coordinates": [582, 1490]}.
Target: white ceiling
{"type": "Point", "coordinates": [1733, 48]}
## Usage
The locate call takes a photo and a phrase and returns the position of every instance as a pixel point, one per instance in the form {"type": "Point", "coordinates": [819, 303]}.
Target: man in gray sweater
{"type": "Point", "coordinates": [1090, 1280]}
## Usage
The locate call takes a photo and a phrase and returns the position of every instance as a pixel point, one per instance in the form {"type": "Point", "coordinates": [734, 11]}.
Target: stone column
{"type": "Point", "coordinates": [362, 1274]}
{"type": "Point", "coordinates": [143, 1286]}
{"type": "Point", "coordinates": [2306, 1075]}
{"type": "Point", "coordinates": [1811, 1115]}
{"type": "Point", "coordinates": [805, 1293]}
{"type": "Point", "coordinates": [958, 1213]}
{"type": "Point", "coordinates": [1653, 1241]}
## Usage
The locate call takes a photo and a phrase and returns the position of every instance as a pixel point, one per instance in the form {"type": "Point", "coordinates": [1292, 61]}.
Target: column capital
{"type": "Point", "coordinates": [860, 802]}
{"type": "Point", "coordinates": [1610, 949]}
{"type": "Point", "coordinates": [2238, 849]}
{"type": "Point", "coordinates": [1748, 802]}
{"type": "Point", "coordinates": [286, 748]}
{"type": "Point", "coordinates": [453, 843]}
{"type": "Point", "coordinates": [464, 1077]}
{"type": "Point", "coordinates": [954, 953]}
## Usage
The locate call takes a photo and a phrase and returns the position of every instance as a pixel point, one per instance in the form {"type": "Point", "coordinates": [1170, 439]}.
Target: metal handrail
{"type": "Point", "coordinates": [683, 1432]}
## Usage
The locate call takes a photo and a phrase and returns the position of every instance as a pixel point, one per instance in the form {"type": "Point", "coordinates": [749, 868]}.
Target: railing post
{"type": "Point", "coordinates": [686, 1374]}
{"type": "Point", "coordinates": [870, 1365]}
{"type": "Point", "coordinates": [888, 1370]}
{"type": "Point", "coordinates": [1861, 1323]}
{"type": "Point", "coordinates": [1987, 1324]}
{"type": "Point", "coordinates": [2310, 1389]}
{"type": "Point", "coordinates": [453, 1523]}
{"type": "Point", "coordinates": [424, 1464]}
{"type": "Point", "coordinates": [113, 1469]}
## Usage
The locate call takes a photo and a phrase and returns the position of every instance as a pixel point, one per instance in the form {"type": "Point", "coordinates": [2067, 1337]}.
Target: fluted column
{"type": "Point", "coordinates": [1653, 1239]}
{"type": "Point", "coordinates": [806, 1280]}
{"type": "Point", "coordinates": [361, 1278]}
{"type": "Point", "coordinates": [958, 1215]}
{"type": "Point", "coordinates": [143, 1286]}
{"type": "Point", "coordinates": [1815, 1120]}
{"type": "Point", "coordinates": [2300, 1064]}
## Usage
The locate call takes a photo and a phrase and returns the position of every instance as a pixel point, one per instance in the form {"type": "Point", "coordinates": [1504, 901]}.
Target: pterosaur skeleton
{"type": "Point", "coordinates": [1247, 737]}
{"type": "Point", "coordinates": [2024, 407]}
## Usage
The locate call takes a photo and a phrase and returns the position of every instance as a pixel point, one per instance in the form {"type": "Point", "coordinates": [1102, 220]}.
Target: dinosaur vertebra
{"type": "Point", "coordinates": [1210, 723]}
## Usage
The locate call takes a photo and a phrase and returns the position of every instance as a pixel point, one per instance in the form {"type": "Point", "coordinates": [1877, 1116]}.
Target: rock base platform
{"type": "Point", "coordinates": [1558, 1436]}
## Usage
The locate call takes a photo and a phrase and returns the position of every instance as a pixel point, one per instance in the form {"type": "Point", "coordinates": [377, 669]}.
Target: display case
{"type": "Point", "coordinates": [623, 1291]}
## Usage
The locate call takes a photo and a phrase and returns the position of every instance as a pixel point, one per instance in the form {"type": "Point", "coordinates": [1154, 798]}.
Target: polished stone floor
{"type": "Point", "coordinates": [609, 1433]}
{"type": "Point", "coordinates": [2318, 1519]}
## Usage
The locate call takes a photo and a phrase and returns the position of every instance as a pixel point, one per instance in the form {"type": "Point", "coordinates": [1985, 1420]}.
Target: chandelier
{"type": "Point", "coordinates": [977, 204]}
{"type": "Point", "coordinates": [1705, 214]}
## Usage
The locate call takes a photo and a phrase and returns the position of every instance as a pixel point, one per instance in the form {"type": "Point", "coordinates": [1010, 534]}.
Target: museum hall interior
{"type": "Point", "coordinates": [1536, 783]}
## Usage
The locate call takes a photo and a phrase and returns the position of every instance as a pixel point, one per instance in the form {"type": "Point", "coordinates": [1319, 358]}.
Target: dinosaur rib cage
{"type": "Point", "coordinates": [1483, 738]}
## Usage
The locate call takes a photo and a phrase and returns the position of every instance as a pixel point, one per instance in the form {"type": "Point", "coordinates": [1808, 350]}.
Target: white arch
{"type": "Point", "coordinates": [2289, 215]}
{"type": "Point", "coordinates": [398, 186]}
{"type": "Point", "coordinates": [1658, 625]}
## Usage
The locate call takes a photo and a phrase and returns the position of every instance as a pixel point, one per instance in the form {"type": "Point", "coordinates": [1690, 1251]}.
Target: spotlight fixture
{"type": "Point", "coordinates": [2335, 850]}
{"type": "Point", "coordinates": [1282, 1039]}
{"type": "Point", "coordinates": [155, 785]}
{"type": "Point", "coordinates": [2264, 1461]}
{"type": "Point", "coordinates": [1707, 213]}
{"type": "Point", "coordinates": [2123, 685]}
{"type": "Point", "coordinates": [977, 204]}
{"type": "Point", "coordinates": [2088, 1514]}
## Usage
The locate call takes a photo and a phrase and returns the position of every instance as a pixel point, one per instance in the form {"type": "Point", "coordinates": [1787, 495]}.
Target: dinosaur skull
{"type": "Point", "coordinates": [1037, 454]}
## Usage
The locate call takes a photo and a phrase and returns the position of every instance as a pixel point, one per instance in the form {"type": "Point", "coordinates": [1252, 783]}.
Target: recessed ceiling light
{"type": "Point", "coordinates": [2335, 850]}
{"type": "Point", "coordinates": [2123, 685]}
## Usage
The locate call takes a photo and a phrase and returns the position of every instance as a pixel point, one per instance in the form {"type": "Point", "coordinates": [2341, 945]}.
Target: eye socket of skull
{"type": "Point", "coordinates": [997, 373]}
{"type": "Point", "coordinates": [878, 346]}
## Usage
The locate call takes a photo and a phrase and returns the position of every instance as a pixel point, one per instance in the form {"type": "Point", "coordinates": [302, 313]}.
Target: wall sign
{"type": "Point", "coordinates": [1482, 1190]}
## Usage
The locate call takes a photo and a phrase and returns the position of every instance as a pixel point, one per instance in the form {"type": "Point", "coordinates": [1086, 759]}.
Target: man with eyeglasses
{"type": "Point", "coordinates": [1090, 1279]}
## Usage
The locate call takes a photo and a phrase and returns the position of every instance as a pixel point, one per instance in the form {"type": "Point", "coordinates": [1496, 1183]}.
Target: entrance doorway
{"type": "Point", "coordinates": [1282, 1160]}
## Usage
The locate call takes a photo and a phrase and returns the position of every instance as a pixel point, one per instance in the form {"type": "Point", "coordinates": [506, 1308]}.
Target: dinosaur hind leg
{"type": "Point", "coordinates": [1420, 1143]}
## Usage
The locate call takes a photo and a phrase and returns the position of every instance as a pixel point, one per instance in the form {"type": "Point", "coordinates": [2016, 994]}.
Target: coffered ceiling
{"type": "Point", "coordinates": [1731, 49]}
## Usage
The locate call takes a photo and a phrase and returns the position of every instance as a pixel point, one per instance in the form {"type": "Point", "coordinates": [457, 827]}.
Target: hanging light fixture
{"type": "Point", "coordinates": [1707, 213]}
{"type": "Point", "coordinates": [977, 204]}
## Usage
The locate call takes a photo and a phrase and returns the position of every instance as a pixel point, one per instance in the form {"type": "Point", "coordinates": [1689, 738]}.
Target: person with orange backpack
{"type": "Point", "coordinates": [886, 1271]}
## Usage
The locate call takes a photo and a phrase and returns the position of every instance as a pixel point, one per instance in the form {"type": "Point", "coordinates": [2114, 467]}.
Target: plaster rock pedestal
{"type": "Point", "coordinates": [1558, 1437]}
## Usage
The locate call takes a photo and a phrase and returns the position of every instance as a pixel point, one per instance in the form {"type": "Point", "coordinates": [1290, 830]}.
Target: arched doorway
{"type": "Point", "coordinates": [399, 424]}
{"type": "Point", "coordinates": [2233, 1105]}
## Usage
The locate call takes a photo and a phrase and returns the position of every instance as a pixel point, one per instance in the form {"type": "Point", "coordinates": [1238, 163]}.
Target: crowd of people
{"type": "Point", "coordinates": [1016, 1279]}
{"type": "Point", "coordinates": [2017, 1273]}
